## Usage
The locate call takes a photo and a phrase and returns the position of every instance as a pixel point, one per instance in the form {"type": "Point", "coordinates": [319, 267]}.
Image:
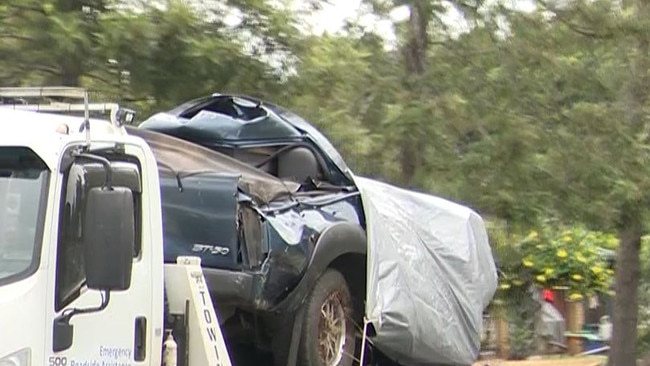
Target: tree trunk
{"type": "Point", "coordinates": [409, 161]}
{"type": "Point", "coordinates": [416, 47]}
{"type": "Point", "coordinates": [415, 52]}
{"type": "Point", "coordinates": [626, 307]}
{"type": "Point", "coordinates": [70, 73]}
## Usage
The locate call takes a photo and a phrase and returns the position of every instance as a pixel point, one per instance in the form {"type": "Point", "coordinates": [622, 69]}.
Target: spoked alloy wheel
{"type": "Point", "coordinates": [332, 331]}
{"type": "Point", "coordinates": [328, 326]}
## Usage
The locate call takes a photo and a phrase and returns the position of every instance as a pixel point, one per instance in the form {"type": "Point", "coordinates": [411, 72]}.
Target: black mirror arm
{"type": "Point", "coordinates": [63, 331]}
{"type": "Point", "coordinates": [105, 162]}
{"type": "Point", "coordinates": [68, 314]}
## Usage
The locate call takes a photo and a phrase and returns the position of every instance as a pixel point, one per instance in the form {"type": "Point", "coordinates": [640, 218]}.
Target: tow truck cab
{"type": "Point", "coordinates": [81, 259]}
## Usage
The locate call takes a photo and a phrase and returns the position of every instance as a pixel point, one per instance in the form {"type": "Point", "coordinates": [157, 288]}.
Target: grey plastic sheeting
{"type": "Point", "coordinates": [431, 274]}
{"type": "Point", "coordinates": [550, 323]}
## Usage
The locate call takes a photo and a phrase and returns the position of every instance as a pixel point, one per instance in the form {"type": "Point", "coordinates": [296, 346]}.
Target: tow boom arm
{"type": "Point", "coordinates": [187, 292]}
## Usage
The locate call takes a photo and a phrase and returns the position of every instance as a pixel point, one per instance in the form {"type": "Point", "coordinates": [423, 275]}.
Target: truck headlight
{"type": "Point", "coordinates": [22, 357]}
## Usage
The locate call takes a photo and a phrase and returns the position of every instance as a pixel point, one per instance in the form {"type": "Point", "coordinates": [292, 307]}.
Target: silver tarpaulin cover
{"type": "Point", "coordinates": [431, 274]}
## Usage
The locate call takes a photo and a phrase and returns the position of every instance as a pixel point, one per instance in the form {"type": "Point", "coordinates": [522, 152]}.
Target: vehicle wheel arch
{"type": "Point", "coordinates": [336, 247]}
{"type": "Point", "coordinates": [341, 247]}
{"type": "Point", "coordinates": [353, 267]}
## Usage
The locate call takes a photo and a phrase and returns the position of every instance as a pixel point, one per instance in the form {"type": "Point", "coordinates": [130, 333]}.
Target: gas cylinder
{"type": "Point", "coordinates": [605, 329]}
{"type": "Point", "coordinates": [170, 349]}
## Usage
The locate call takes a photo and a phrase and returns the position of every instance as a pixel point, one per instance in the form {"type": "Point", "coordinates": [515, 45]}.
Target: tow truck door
{"type": "Point", "coordinates": [121, 333]}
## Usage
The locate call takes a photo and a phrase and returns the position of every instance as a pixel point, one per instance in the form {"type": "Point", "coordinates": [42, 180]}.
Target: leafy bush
{"type": "Point", "coordinates": [513, 300]}
{"type": "Point", "coordinates": [565, 258]}
{"type": "Point", "coordinates": [552, 256]}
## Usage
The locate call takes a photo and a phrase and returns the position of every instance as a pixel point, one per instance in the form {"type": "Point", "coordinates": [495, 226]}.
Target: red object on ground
{"type": "Point", "coordinates": [548, 295]}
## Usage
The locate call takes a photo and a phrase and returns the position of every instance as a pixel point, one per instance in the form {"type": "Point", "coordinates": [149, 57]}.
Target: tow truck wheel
{"type": "Point", "coordinates": [328, 328]}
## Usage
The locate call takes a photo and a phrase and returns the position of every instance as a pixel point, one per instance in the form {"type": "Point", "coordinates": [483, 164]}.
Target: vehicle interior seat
{"type": "Point", "coordinates": [298, 164]}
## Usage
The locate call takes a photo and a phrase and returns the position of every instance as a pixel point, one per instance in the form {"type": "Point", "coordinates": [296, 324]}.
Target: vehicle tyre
{"type": "Point", "coordinates": [328, 324]}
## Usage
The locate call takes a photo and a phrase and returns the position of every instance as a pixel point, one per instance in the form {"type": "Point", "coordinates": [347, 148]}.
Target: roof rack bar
{"type": "Point", "coordinates": [118, 116]}
{"type": "Point", "coordinates": [52, 91]}
{"type": "Point", "coordinates": [45, 91]}
{"type": "Point", "coordinates": [64, 107]}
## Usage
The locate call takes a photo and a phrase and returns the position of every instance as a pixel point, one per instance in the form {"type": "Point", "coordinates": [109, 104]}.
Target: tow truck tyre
{"type": "Point", "coordinates": [328, 328]}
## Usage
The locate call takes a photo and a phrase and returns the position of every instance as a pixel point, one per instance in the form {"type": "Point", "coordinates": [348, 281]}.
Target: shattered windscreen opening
{"type": "Point", "coordinates": [318, 137]}
{"type": "Point", "coordinates": [227, 118]}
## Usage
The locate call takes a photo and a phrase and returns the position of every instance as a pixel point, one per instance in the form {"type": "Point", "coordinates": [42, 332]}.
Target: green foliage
{"type": "Point", "coordinates": [48, 42]}
{"type": "Point", "coordinates": [339, 70]}
{"type": "Point", "coordinates": [521, 332]}
{"type": "Point", "coordinates": [569, 258]}
{"type": "Point", "coordinates": [566, 258]}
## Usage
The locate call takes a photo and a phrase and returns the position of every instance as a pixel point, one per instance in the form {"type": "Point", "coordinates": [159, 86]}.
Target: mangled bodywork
{"type": "Point", "coordinates": [268, 204]}
{"type": "Point", "coordinates": [238, 218]}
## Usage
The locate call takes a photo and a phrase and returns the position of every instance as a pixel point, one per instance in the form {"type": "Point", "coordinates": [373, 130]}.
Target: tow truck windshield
{"type": "Point", "coordinates": [23, 182]}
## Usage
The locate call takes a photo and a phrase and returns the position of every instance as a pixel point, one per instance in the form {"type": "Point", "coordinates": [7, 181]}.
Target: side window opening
{"type": "Point", "coordinates": [81, 176]}
{"type": "Point", "coordinates": [69, 262]}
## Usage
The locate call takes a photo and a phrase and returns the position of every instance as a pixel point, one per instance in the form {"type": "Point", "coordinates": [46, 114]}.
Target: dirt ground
{"type": "Point", "coordinates": [575, 361]}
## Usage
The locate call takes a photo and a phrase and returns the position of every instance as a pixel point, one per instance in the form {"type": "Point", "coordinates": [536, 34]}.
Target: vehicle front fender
{"type": "Point", "coordinates": [334, 242]}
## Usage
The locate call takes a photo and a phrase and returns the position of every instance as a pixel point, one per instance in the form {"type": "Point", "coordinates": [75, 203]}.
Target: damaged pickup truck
{"type": "Point", "coordinates": [283, 230]}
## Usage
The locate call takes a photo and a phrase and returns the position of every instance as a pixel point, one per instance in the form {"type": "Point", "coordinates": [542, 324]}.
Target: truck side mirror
{"type": "Point", "coordinates": [109, 238]}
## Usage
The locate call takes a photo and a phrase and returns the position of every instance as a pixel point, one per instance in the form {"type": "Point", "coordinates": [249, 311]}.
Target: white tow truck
{"type": "Point", "coordinates": [82, 278]}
